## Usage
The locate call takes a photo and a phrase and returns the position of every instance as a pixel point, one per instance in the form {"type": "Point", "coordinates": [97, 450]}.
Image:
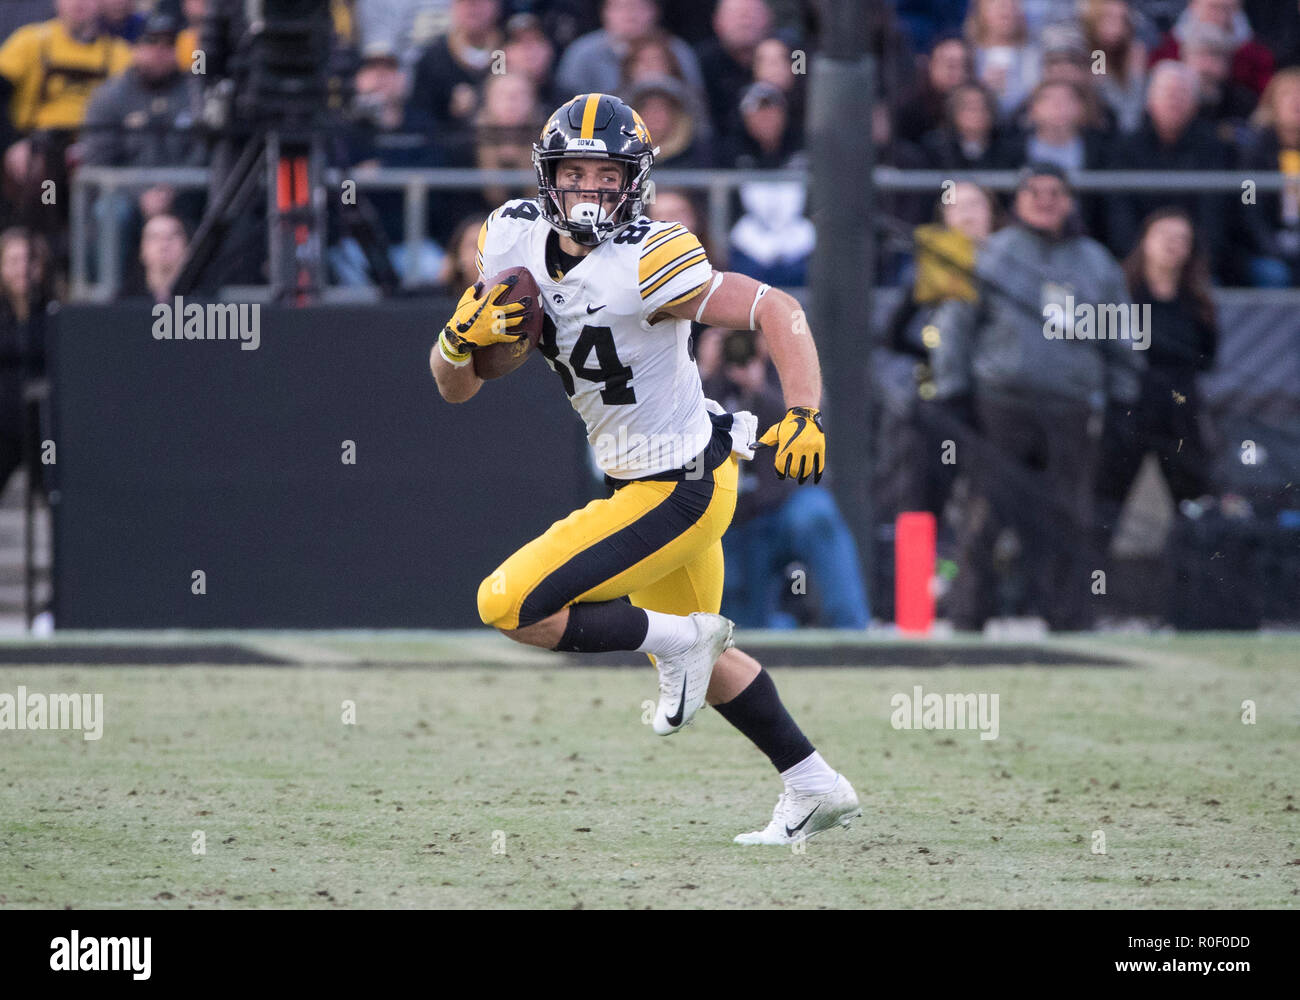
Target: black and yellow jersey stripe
{"type": "Point", "coordinates": [665, 256]}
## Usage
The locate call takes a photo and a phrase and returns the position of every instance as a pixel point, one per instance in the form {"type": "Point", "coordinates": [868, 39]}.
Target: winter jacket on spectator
{"type": "Point", "coordinates": [999, 346]}
{"type": "Point", "coordinates": [132, 123]}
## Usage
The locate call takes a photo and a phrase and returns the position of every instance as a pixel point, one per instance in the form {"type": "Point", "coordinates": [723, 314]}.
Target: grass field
{"type": "Point", "coordinates": [553, 767]}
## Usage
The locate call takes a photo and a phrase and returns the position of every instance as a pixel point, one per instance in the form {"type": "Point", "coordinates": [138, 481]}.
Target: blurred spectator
{"type": "Point", "coordinates": [649, 57]}
{"type": "Point", "coordinates": [1252, 63]}
{"type": "Point", "coordinates": [945, 258]}
{"type": "Point", "coordinates": [187, 42]}
{"type": "Point", "coordinates": [653, 58]}
{"type": "Point", "coordinates": [49, 70]}
{"type": "Point", "coordinates": [738, 26]}
{"type": "Point", "coordinates": [912, 432]}
{"type": "Point", "coordinates": [460, 266]}
{"type": "Point", "coordinates": [1066, 60]}
{"type": "Point", "coordinates": [1168, 272]}
{"type": "Point", "coordinates": [148, 115]}
{"type": "Point", "coordinates": [1172, 137]}
{"type": "Point", "coordinates": [1006, 60]}
{"type": "Point", "coordinates": [1108, 28]}
{"type": "Point", "coordinates": [671, 117]}
{"type": "Point", "coordinates": [448, 73]}
{"type": "Point", "coordinates": [1057, 129]}
{"type": "Point", "coordinates": [774, 64]}
{"type": "Point", "coordinates": [594, 62]}
{"type": "Point", "coordinates": [386, 132]}
{"type": "Point", "coordinates": [1037, 400]}
{"type": "Point", "coordinates": [162, 249]}
{"type": "Point", "coordinates": [120, 18]}
{"type": "Point", "coordinates": [505, 130]}
{"type": "Point", "coordinates": [1207, 49]}
{"type": "Point", "coordinates": [530, 52]}
{"type": "Point", "coordinates": [377, 104]}
{"type": "Point", "coordinates": [971, 137]}
{"type": "Point", "coordinates": [767, 139]}
{"type": "Point", "coordinates": [26, 280]}
{"type": "Point", "coordinates": [1272, 224]}
{"type": "Point", "coordinates": [947, 67]}
{"type": "Point", "coordinates": [47, 73]}
{"type": "Point", "coordinates": [1059, 133]}
{"type": "Point", "coordinates": [778, 522]}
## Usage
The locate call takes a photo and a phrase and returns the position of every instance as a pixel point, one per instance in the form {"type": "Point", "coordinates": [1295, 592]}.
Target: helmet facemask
{"type": "Point", "coordinates": [590, 216]}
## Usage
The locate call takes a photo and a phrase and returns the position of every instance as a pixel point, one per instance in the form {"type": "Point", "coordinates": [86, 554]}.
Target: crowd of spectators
{"type": "Point", "coordinates": [1063, 85]}
{"type": "Point", "coordinates": [1085, 84]}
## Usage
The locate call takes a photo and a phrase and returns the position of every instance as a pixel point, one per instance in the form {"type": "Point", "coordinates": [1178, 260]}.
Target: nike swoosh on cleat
{"type": "Point", "coordinates": [676, 720]}
{"type": "Point", "coordinates": [791, 831]}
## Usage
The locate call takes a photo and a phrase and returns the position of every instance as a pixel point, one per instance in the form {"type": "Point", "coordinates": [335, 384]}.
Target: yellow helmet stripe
{"type": "Point", "coordinates": [589, 116]}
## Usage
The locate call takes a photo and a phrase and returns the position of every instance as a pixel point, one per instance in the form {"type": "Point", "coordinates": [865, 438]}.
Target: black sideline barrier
{"type": "Point", "coordinates": [177, 456]}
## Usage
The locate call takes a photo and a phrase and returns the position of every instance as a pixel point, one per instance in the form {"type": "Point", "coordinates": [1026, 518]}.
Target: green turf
{"type": "Point", "coordinates": [300, 810]}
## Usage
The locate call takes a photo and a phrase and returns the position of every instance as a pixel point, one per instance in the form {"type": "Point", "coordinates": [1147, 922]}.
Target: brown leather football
{"type": "Point", "coordinates": [501, 359]}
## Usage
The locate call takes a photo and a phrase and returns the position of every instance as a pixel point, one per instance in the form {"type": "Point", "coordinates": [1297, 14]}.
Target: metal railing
{"type": "Point", "coordinates": [91, 185]}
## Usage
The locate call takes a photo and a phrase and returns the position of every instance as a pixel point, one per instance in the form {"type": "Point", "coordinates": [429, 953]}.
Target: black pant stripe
{"type": "Point", "coordinates": [679, 511]}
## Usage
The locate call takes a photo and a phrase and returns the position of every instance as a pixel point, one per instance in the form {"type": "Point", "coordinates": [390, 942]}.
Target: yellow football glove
{"type": "Point", "coordinates": [476, 325]}
{"type": "Point", "coordinates": [800, 444]}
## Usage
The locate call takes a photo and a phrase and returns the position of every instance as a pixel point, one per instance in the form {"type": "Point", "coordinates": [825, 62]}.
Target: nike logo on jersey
{"type": "Point", "coordinates": [791, 831]}
{"type": "Point", "coordinates": [590, 310]}
{"type": "Point", "coordinates": [676, 720]}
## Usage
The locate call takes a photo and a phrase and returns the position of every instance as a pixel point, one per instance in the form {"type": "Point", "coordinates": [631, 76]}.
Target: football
{"type": "Point", "coordinates": [501, 359]}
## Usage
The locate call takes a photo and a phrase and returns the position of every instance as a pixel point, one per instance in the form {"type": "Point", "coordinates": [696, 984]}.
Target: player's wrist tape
{"type": "Point", "coordinates": [452, 357]}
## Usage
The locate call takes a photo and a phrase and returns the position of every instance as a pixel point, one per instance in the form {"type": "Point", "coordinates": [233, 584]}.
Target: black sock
{"type": "Point", "coordinates": [758, 713]}
{"type": "Point", "coordinates": [602, 626]}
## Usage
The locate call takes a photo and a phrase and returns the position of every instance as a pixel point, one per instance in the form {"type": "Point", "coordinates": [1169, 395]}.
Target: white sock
{"type": "Point", "coordinates": [668, 635]}
{"type": "Point", "coordinates": [811, 776]}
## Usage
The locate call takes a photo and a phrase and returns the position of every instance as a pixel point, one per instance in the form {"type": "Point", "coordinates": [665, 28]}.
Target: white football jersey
{"type": "Point", "coordinates": [635, 385]}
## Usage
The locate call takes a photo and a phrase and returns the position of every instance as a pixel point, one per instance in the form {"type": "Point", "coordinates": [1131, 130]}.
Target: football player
{"type": "Point", "coordinates": [642, 569]}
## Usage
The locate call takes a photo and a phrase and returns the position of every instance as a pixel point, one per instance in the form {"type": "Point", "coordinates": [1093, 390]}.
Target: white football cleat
{"type": "Point", "coordinates": [799, 817]}
{"type": "Point", "coordinates": [683, 680]}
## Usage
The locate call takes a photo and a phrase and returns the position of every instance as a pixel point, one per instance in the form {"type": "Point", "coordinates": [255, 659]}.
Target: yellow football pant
{"type": "Point", "coordinates": [657, 543]}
